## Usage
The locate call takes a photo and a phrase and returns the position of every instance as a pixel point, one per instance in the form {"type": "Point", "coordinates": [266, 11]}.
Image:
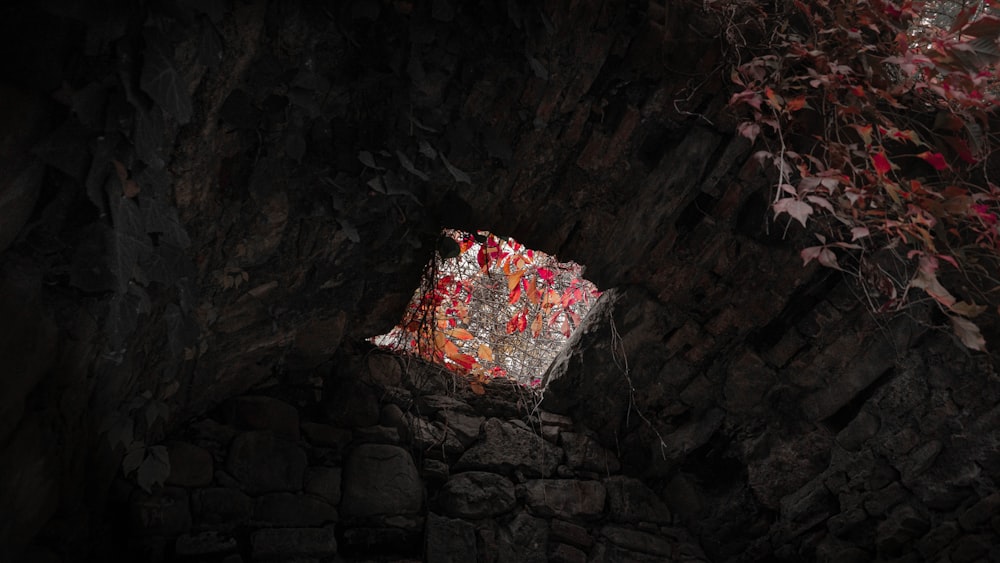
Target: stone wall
{"type": "Point", "coordinates": [424, 470]}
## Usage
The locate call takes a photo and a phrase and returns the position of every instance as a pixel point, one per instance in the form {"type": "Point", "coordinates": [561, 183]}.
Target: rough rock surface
{"type": "Point", "coordinates": [380, 480]}
{"type": "Point", "coordinates": [511, 448]}
{"type": "Point", "coordinates": [263, 462]}
{"type": "Point", "coordinates": [476, 494]}
{"type": "Point", "coordinates": [565, 498]}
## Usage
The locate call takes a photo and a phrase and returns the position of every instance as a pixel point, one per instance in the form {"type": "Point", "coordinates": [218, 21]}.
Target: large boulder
{"type": "Point", "coordinates": [565, 498]}
{"type": "Point", "coordinates": [380, 480]}
{"type": "Point", "coordinates": [477, 494]}
{"type": "Point", "coordinates": [505, 448]}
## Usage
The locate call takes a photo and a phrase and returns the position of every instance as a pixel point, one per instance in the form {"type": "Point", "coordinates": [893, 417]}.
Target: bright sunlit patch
{"type": "Point", "coordinates": [490, 307]}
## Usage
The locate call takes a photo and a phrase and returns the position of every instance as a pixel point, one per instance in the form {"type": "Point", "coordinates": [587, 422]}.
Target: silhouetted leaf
{"type": "Point", "coordinates": [156, 410]}
{"type": "Point", "coordinates": [368, 160]}
{"type": "Point", "coordinates": [538, 68]}
{"type": "Point", "coordinates": [427, 150]}
{"type": "Point", "coordinates": [161, 80]}
{"type": "Point", "coordinates": [121, 431]}
{"type": "Point", "coordinates": [350, 230]}
{"type": "Point", "coordinates": [154, 469]}
{"type": "Point", "coordinates": [405, 162]}
{"type": "Point", "coordinates": [459, 175]}
{"type": "Point", "coordinates": [133, 459]}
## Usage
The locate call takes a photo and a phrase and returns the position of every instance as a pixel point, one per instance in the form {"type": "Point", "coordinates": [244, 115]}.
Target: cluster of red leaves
{"type": "Point", "coordinates": [444, 324]}
{"type": "Point", "coordinates": [878, 122]}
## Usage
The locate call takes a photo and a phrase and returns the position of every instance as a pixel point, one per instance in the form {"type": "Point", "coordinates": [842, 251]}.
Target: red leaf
{"type": "Point", "coordinates": [531, 289]}
{"type": "Point", "coordinates": [546, 274]}
{"type": "Point", "coordinates": [515, 294]}
{"type": "Point", "coordinates": [962, 148]}
{"type": "Point", "coordinates": [566, 330]}
{"type": "Point", "coordinates": [464, 360]}
{"type": "Point", "coordinates": [935, 159]}
{"type": "Point", "coordinates": [881, 163]}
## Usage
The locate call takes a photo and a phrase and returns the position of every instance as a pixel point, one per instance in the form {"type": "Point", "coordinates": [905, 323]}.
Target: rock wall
{"type": "Point", "coordinates": [881, 445]}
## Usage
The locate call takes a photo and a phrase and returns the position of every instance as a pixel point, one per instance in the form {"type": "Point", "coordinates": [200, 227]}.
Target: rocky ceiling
{"type": "Point", "coordinates": [203, 196]}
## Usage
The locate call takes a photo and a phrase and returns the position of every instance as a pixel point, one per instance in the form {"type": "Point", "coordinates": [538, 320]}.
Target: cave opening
{"type": "Point", "coordinates": [488, 307]}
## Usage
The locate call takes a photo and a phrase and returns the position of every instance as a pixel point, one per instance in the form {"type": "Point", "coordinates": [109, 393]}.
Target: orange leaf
{"type": "Point", "coordinates": [774, 99]}
{"type": "Point", "coordinates": [532, 290]}
{"type": "Point", "coordinates": [865, 131]}
{"type": "Point", "coordinates": [477, 388]}
{"type": "Point", "coordinates": [536, 325]}
{"type": "Point", "coordinates": [440, 341]}
{"type": "Point", "coordinates": [485, 354]}
{"type": "Point", "coordinates": [795, 104]}
{"type": "Point", "coordinates": [514, 278]}
{"type": "Point", "coordinates": [460, 333]}
{"type": "Point", "coordinates": [566, 330]}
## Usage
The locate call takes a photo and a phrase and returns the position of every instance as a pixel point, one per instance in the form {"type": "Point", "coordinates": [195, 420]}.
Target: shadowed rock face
{"type": "Point", "coordinates": [197, 218]}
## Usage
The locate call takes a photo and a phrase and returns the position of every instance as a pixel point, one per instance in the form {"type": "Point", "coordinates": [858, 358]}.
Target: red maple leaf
{"type": "Point", "coordinates": [882, 164]}
{"type": "Point", "coordinates": [935, 159]}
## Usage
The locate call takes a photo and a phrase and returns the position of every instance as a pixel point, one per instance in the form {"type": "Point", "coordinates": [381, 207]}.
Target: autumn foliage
{"type": "Point", "coordinates": [876, 120]}
{"type": "Point", "coordinates": [489, 307]}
